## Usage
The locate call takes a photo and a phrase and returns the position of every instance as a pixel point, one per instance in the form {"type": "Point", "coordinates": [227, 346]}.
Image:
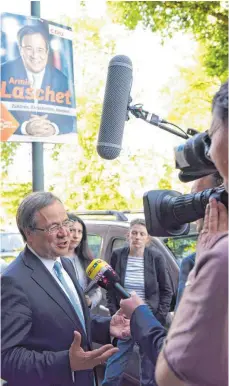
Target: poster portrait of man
{"type": "Point", "coordinates": [36, 88]}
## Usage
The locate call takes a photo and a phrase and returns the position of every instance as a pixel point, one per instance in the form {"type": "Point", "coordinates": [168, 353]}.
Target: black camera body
{"type": "Point", "coordinates": [167, 212]}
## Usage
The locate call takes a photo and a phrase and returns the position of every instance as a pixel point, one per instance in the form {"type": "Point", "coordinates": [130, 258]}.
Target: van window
{"type": "Point", "coordinates": [119, 243]}
{"type": "Point", "coordinates": [95, 244]}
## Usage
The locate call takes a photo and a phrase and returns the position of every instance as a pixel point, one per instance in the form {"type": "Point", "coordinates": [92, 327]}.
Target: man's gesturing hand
{"type": "Point", "coordinates": [84, 360]}
{"type": "Point", "coordinates": [119, 326]}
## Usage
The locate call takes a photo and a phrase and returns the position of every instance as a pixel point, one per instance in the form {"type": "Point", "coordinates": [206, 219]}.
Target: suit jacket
{"type": "Point", "coordinates": [38, 321]}
{"type": "Point", "coordinates": [147, 332]}
{"type": "Point", "coordinates": [16, 69]}
{"type": "Point", "coordinates": [158, 292]}
{"type": "Point", "coordinates": [54, 78]}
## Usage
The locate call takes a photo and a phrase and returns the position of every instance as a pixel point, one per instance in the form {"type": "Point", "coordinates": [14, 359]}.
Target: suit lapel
{"type": "Point", "coordinates": [44, 279]}
{"type": "Point", "coordinates": [123, 264]}
{"type": "Point", "coordinates": [149, 270]}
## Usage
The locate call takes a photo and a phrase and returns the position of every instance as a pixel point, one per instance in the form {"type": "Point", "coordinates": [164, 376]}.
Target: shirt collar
{"type": "Point", "coordinates": [31, 75]}
{"type": "Point", "coordinates": [49, 263]}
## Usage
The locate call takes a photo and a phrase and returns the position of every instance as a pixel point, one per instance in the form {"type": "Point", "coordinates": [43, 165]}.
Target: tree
{"type": "Point", "coordinates": [90, 182]}
{"type": "Point", "coordinates": [207, 20]}
{"type": "Point", "coordinates": [7, 153]}
{"type": "Point", "coordinates": [188, 96]}
{"type": "Point", "coordinates": [12, 195]}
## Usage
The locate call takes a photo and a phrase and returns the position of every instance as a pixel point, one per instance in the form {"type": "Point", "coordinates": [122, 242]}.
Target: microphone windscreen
{"type": "Point", "coordinates": [115, 104]}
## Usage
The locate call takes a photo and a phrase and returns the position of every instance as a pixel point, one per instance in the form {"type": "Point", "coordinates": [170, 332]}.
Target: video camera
{"type": "Point", "coordinates": [167, 212]}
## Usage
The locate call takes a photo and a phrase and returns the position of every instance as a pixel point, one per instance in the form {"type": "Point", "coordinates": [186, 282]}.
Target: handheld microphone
{"type": "Point", "coordinates": [115, 107]}
{"type": "Point", "coordinates": [102, 273]}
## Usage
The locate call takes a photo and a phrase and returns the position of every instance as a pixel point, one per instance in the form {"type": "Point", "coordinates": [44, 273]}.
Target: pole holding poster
{"type": "Point", "coordinates": [37, 147]}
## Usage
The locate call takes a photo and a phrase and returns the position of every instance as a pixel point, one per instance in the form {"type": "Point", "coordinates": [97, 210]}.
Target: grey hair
{"type": "Point", "coordinates": [28, 208]}
{"type": "Point", "coordinates": [138, 221]}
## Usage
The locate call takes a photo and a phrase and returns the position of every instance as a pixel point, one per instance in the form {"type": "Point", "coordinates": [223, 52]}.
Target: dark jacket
{"type": "Point", "coordinates": [158, 293]}
{"type": "Point", "coordinates": [38, 324]}
{"type": "Point", "coordinates": [187, 265]}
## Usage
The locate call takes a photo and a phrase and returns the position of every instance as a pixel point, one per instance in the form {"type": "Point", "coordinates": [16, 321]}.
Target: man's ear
{"type": "Point", "coordinates": [28, 233]}
{"type": "Point", "coordinates": [128, 236]}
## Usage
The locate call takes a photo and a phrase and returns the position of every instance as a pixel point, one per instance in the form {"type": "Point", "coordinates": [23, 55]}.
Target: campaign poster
{"type": "Point", "coordinates": [37, 81]}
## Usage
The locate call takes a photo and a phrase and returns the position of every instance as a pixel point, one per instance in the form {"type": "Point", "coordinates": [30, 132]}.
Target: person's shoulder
{"type": "Point", "coordinates": [188, 259]}
{"type": "Point", "coordinates": [15, 272]}
{"type": "Point", "coordinates": [118, 251]}
{"type": "Point", "coordinates": [67, 260]}
{"type": "Point", "coordinates": [154, 252]}
{"type": "Point", "coordinates": [215, 259]}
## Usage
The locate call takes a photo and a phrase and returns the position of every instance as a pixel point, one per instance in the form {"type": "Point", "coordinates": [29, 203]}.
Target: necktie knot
{"type": "Point", "coordinates": [57, 268]}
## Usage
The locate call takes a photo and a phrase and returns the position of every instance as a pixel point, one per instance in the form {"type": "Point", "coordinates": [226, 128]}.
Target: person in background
{"type": "Point", "coordinates": [142, 269]}
{"type": "Point", "coordinates": [81, 257]}
{"type": "Point", "coordinates": [188, 262]}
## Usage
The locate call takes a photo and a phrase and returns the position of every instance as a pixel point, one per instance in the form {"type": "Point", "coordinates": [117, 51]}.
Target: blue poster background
{"type": "Point", "coordinates": [37, 79]}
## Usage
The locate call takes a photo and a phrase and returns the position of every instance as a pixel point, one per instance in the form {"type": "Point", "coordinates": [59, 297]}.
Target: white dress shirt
{"type": "Point", "coordinates": [49, 264]}
{"type": "Point", "coordinates": [35, 79]}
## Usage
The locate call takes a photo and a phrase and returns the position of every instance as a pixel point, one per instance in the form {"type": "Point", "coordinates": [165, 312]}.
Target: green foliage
{"type": "Point", "coordinates": [189, 95]}
{"type": "Point", "coordinates": [165, 181]}
{"type": "Point", "coordinates": [12, 194]}
{"type": "Point", "coordinates": [181, 247]}
{"type": "Point", "coordinates": [207, 20]}
{"type": "Point", "coordinates": [7, 154]}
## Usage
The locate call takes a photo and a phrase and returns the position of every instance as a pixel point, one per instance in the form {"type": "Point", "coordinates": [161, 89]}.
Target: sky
{"type": "Point", "coordinates": [153, 66]}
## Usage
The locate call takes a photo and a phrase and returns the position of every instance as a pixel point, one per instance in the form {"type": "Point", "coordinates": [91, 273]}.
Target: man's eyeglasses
{"type": "Point", "coordinates": [38, 50]}
{"type": "Point", "coordinates": [55, 228]}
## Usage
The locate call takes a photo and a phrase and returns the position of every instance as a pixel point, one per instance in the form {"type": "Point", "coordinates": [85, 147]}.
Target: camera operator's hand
{"type": "Point", "coordinates": [215, 223]}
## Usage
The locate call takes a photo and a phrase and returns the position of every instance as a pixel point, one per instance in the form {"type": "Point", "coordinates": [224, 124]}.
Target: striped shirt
{"type": "Point", "coordinates": [134, 278]}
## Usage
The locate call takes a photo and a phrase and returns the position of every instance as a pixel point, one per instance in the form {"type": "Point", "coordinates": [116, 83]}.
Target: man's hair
{"type": "Point", "coordinates": [34, 29]}
{"type": "Point", "coordinates": [138, 221]}
{"type": "Point", "coordinates": [220, 103]}
{"type": "Point", "coordinates": [28, 208]}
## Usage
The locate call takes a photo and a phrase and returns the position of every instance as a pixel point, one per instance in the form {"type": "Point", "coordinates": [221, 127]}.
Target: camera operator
{"type": "Point", "coordinates": [187, 263]}
{"type": "Point", "coordinates": [195, 350]}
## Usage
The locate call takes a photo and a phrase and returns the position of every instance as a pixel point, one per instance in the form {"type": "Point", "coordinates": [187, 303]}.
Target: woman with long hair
{"type": "Point", "coordinates": [81, 257]}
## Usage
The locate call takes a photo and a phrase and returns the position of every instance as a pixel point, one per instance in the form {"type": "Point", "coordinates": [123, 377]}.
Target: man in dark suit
{"type": "Point", "coordinates": [47, 331]}
{"type": "Point", "coordinates": [31, 78]}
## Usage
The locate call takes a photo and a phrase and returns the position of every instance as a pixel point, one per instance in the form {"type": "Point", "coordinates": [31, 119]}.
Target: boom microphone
{"type": "Point", "coordinates": [103, 274]}
{"type": "Point", "coordinates": [115, 104]}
